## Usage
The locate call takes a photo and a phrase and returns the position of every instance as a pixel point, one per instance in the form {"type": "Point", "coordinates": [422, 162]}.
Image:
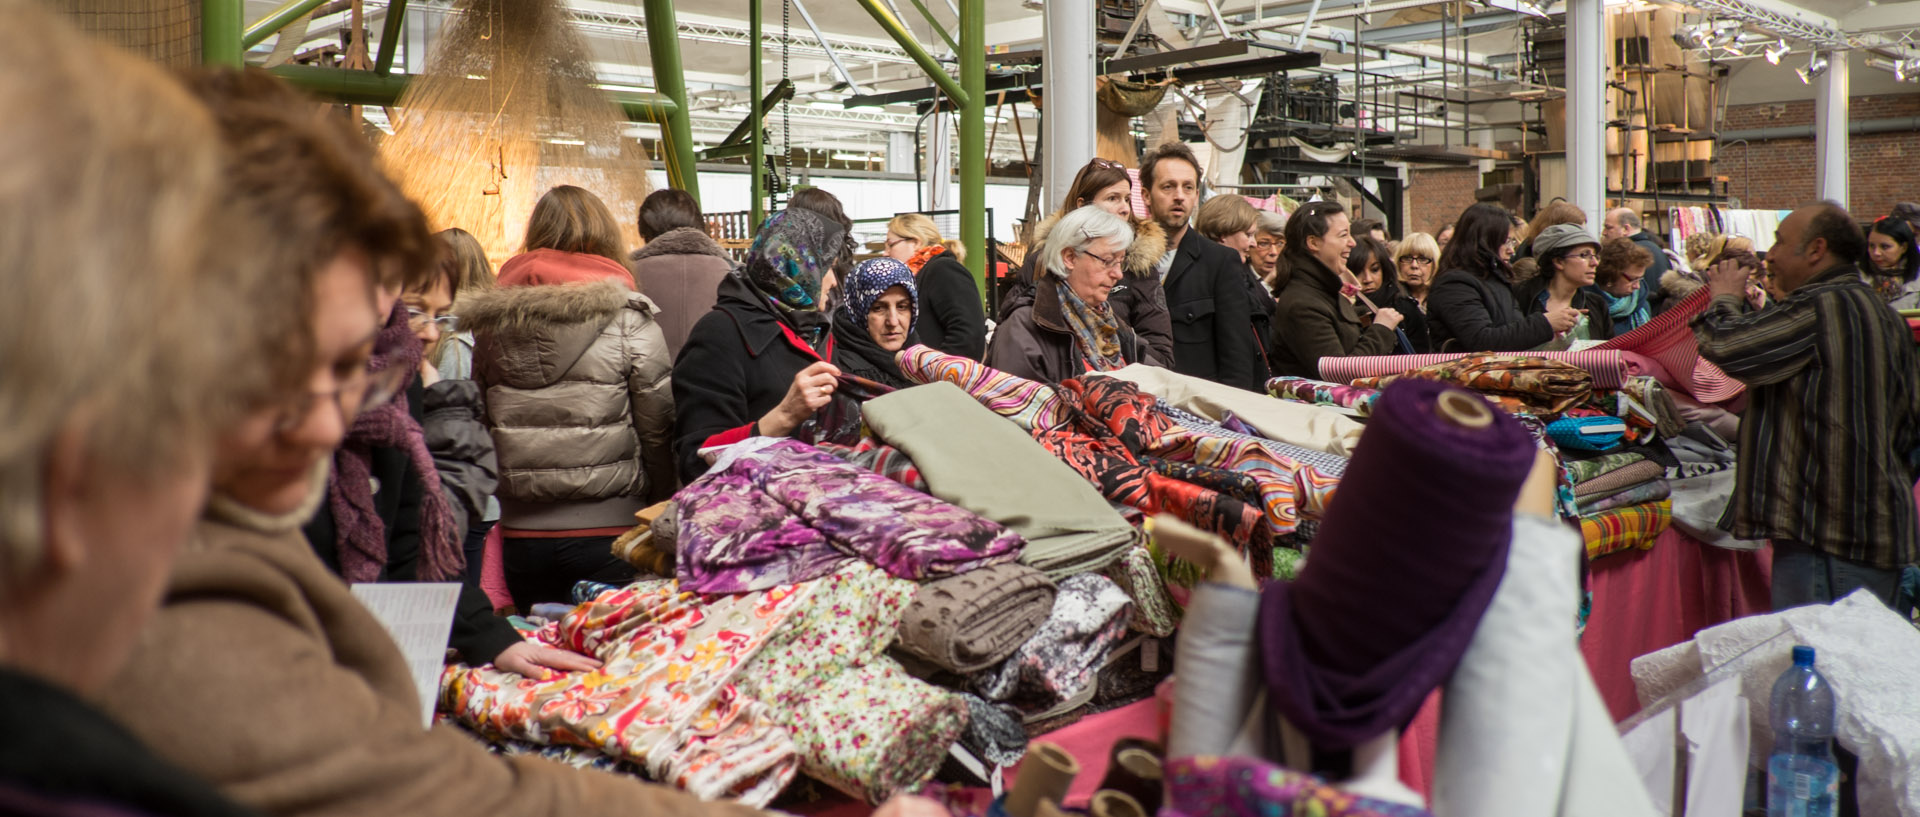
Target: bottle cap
{"type": "Point", "coordinates": [1802, 656]}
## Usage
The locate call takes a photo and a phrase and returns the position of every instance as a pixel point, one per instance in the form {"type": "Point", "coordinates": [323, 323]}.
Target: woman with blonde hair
{"type": "Point", "coordinates": [571, 238]}
{"type": "Point", "coordinates": [952, 317]}
{"type": "Point", "coordinates": [472, 274]}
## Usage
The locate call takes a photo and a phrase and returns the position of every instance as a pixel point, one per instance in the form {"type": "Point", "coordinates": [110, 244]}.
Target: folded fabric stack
{"type": "Point", "coordinates": [968, 623]}
{"type": "Point", "coordinates": [1635, 526]}
{"type": "Point", "coordinates": [1519, 383]}
{"type": "Point", "coordinates": [1587, 433]}
{"type": "Point", "coordinates": [1703, 486]}
{"type": "Point", "coordinates": [1623, 502]}
{"type": "Point", "coordinates": [1322, 393]}
{"type": "Point", "coordinates": [1060, 663]}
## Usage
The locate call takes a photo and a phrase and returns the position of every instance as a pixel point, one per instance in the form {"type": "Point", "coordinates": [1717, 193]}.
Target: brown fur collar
{"type": "Point", "coordinates": [1149, 242]}
{"type": "Point", "coordinates": [519, 310]}
{"type": "Point", "coordinates": [680, 241]}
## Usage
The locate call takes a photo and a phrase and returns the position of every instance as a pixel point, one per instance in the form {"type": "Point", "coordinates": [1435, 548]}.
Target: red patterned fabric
{"type": "Point", "coordinates": [1669, 340]}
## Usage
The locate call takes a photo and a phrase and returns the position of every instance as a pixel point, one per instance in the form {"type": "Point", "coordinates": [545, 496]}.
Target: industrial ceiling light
{"type": "Point", "coordinates": [1816, 65]}
{"type": "Point", "coordinates": [1907, 70]}
{"type": "Point", "coordinates": [1776, 52]}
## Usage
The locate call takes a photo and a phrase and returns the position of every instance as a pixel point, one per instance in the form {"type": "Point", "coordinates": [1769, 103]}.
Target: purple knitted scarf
{"type": "Point", "coordinates": [361, 536]}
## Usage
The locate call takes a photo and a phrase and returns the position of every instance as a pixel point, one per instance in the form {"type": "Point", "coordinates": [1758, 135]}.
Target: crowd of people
{"type": "Point", "coordinates": [327, 393]}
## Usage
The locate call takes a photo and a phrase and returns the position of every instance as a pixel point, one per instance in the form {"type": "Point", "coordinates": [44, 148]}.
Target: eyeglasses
{"type": "Point", "coordinates": [1584, 256]}
{"type": "Point", "coordinates": [374, 389]}
{"type": "Point", "coordinates": [1417, 259]}
{"type": "Point", "coordinates": [893, 241]}
{"type": "Point", "coordinates": [1108, 163]}
{"type": "Point", "coordinates": [1108, 263]}
{"type": "Point", "coordinates": [417, 320]}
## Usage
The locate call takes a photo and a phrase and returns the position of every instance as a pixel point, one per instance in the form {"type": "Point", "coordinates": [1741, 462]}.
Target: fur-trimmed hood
{"type": "Point", "coordinates": [533, 335]}
{"type": "Point", "coordinates": [681, 241]}
{"type": "Point", "coordinates": [1149, 243]}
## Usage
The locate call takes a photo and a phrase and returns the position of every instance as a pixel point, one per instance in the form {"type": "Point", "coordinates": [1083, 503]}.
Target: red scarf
{"type": "Point", "coordinates": [921, 258]}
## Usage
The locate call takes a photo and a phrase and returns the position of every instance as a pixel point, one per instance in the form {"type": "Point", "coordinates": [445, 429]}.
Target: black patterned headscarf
{"type": "Point", "coordinates": [794, 250]}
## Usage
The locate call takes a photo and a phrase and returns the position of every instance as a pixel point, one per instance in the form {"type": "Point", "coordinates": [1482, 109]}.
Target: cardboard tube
{"type": "Point", "coordinates": [1046, 774]}
{"type": "Point", "coordinates": [1111, 803]}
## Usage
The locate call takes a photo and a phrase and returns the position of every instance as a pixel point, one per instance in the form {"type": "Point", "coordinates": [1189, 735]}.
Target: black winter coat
{"type": "Point", "coordinates": [1212, 315]}
{"type": "Point", "coordinates": [1599, 323]}
{"type": "Point", "coordinates": [1035, 342]}
{"type": "Point", "coordinates": [856, 353]}
{"type": "Point", "coordinates": [1468, 313]}
{"type": "Point", "coordinates": [1315, 321]}
{"type": "Point", "coordinates": [952, 318]}
{"type": "Point", "coordinates": [737, 366]}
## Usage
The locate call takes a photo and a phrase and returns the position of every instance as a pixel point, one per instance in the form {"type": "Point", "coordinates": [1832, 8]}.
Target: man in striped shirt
{"type": "Point", "coordinates": [1834, 411]}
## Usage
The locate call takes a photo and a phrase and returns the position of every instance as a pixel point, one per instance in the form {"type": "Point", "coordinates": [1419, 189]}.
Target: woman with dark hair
{"type": "Point", "coordinates": [1372, 264]}
{"type": "Point", "coordinates": [1138, 300]}
{"type": "Point", "coordinates": [761, 363]}
{"type": "Point", "coordinates": [1316, 318]}
{"type": "Point", "coordinates": [1471, 307]}
{"type": "Point", "coordinates": [1557, 212]}
{"type": "Point", "coordinates": [680, 267]}
{"type": "Point", "coordinates": [1895, 260]}
{"type": "Point", "coordinates": [571, 238]}
{"type": "Point", "coordinates": [1569, 257]}
{"type": "Point", "coordinates": [877, 320]}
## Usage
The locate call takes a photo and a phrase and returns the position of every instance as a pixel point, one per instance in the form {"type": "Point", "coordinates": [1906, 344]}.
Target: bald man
{"type": "Point", "coordinates": [1622, 222]}
{"type": "Point", "coordinates": [1834, 388]}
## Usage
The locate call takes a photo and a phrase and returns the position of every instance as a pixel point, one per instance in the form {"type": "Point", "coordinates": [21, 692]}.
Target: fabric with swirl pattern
{"type": "Point", "coordinates": [1030, 403]}
{"type": "Point", "coordinates": [780, 511]}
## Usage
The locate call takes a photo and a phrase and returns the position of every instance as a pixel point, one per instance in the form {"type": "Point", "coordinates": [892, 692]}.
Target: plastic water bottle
{"type": "Point", "coordinates": [1802, 780]}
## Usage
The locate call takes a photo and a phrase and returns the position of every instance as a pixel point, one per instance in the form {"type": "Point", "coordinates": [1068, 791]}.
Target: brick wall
{"type": "Point", "coordinates": [1437, 195]}
{"type": "Point", "coordinates": [1778, 174]}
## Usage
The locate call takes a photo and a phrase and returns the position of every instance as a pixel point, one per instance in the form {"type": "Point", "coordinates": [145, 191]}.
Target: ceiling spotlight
{"type": "Point", "coordinates": [1907, 70]}
{"type": "Point", "coordinates": [1776, 52]}
{"type": "Point", "coordinates": [1816, 65]}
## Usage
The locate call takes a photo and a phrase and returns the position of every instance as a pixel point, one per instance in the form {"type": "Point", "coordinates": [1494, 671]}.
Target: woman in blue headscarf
{"type": "Point", "coordinates": [878, 319]}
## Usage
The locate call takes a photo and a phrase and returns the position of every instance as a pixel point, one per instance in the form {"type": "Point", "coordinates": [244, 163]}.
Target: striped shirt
{"type": "Point", "coordinates": [1834, 410]}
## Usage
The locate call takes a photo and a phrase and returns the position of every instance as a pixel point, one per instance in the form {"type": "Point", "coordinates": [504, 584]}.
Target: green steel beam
{"type": "Point", "coordinates": [390, 37]}
{"type": "Point", "coordinates": [368, 88]}
{"type": "Point", "coordinates": [220, 33]}
{"type": "Point", "coordinates": [756, 119]}
{"type": "Point", "coordinates": [275, 20]}
{"type": "Point", "coordinates": [935, 25]}
{"type": "Point", "coordinates": [663, 45]}
{"type": "Point", "coordinates": [737, 142]}
{"type": "Point", "coordinates": [920, 56]}
{"type": "Point", "coordinates": [973, 137]}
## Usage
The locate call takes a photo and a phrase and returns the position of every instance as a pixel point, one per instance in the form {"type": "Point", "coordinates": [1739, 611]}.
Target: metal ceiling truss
{"type": "Point", "coordinates": [628, 25]}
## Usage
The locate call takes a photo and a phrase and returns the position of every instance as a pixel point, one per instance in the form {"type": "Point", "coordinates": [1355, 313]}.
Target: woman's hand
{"type": "Point", "coordinates": [812, 389]}
{"type": "Point", "coordinates": [429, 373]}
{"type": "Point", "coordinates": [1563, 319]}
{"type": "Point", "coordinates": [1387, 317]}
{"type": "Point", "coordinates": [532, 660]}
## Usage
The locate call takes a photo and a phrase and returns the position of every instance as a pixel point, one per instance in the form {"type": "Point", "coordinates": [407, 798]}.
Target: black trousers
{"type": "Point", "coordinates": [545, 570]}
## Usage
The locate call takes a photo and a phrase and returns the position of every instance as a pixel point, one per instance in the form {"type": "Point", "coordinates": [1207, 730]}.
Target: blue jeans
{"type": "Point", "coordinates": [1803, 575]}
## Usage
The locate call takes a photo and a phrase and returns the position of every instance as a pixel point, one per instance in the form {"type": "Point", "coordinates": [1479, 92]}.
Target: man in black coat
{"type": "Point", "coordinates": [1622, 222]}
{"type": "Point", "coordinates": [1204, 282]}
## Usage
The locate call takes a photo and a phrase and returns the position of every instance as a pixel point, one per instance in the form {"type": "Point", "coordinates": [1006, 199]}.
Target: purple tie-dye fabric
{"type": "Point", "coordinates": [788, 512]}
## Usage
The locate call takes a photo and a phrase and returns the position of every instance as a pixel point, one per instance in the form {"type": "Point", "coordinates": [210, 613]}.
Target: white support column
{"type": "Point", "coordinates": [1830, 130]}
{"type": "Point", "coordinates": [1067, 115]}
{"type": "Point", "coordinates": [1586, 109]}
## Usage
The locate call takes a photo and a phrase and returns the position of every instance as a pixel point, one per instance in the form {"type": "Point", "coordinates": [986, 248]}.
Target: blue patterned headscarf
{"type": "Point", "coordinates": [872, 279]}
{"type": "Point", "coordinates": [792, 252]}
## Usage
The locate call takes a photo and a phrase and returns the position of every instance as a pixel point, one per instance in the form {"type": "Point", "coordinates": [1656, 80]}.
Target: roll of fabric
{"type": "Point", "coordinates": [1543, 385]}
{"type": "Point", "coordinates": [1610, 369]}
{"type": "Point", "coordinates": [1323, 393]}
{"type": "Point", "coordinates": [1583, 470]}
{"type": "Point", "coordinates": [1303, 426]}
{"type": "Point", "coordinates": [1639, 494]}
{"type": "Point", "coordinates": [1339, 665]}
{"type": "Point", "coordinates": [1618, 480]}
{"type": "Point", "coordinates": [1635, 526]}
{"type": "Point", "coordinates": [1668, 339]}
{"type": "Point", "coordinates": [970, 622]}
{"type": "Point", "coordinates": [1030, 403]}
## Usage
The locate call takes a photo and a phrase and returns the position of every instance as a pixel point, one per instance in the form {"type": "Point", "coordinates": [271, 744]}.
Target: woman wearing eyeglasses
{"type": "Point", "coordinates": [1068, 326]}
{"type": "Point", "coordinates": [955, 316]}
{"type": "Point", "coordinates": [1569, 256]}
{"type": "Point", "coordinates": [576, 377]}
{"type": "Point", "coordinates": [1417, 260]}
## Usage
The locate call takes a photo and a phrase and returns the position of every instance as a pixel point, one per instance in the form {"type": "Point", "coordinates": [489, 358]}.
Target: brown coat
{"type": "Point", "coordinates": [262, 675]}
{"type": "Point", "coordinates": [578, 392]}
{"type": "Point", "coordinates": [1313, 321]}
{"type": "Point", "coordinates": [681, 271]}
{"type": "Point", "coordinates": [1138, 299]}
{"type": "Point", "coordinates": [1036, 343]}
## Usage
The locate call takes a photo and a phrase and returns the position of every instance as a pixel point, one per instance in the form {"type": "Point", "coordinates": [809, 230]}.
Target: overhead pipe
{"type": "Point", "coordinates": [390, 37]}
{"type": "Point", "coordinates": [275, 20]}
{"type": "Point", "coordinates": [757, 120]}
{"type": "Point", "coordinates": [935, 71]}
{"type": "Point", "coordinates": [1869, 127]}
{"type": "Point", "coordinates": [220, 42]}
{"type": "Point", "coordinates": [368, 88]}
{"type": "Point", "coordinates": [973, 138]}
{"type": "Point", "coordinates": [669, 78]}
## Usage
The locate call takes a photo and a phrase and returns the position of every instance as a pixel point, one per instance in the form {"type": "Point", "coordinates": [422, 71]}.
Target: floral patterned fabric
{"type": "Point", "coordinates": [1322, 393]}
{"type": "Point", "coordinates": [1139, 576]}
{"type": "Point", "coordinates": [881, 459]}
{"type": "Point", "coordinates": [1540, 385]}
{"type": "Point", "coordinates": [1583, 470]}
{"type": "Point", "coordinates": [1062, 660]}
{"type": "Point", "coordinates": [1251, 787]}
{"type": "Point", "coordinates": [859, 722]}
{"type": "Point", "coordinates": [665, 698]}
{"type": "Point", "coordinates": [786, 512]}
{"type": "Point", "coordinates": [1030, 403]}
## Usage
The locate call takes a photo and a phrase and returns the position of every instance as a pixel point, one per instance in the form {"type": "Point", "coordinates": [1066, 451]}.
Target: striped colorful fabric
{"type": "Point", "coordinates": [1635, 526]}
{"type": "Point", "coordinates": [1610, 369]}
{"type": "Point", "coordinates": [1669, 341]}
{"type": "Point", "coordinates": [1322, 393]}
{"type": "Point", "coordinates": [1331, 465]}
{"type": "Point", "coordinates": [1030, 403]}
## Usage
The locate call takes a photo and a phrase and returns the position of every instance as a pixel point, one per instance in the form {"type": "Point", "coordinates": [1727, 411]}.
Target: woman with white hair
{"type": "Point", "coordinates": [1064, 327]}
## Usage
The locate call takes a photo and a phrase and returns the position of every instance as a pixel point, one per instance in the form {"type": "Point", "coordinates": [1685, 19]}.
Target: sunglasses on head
{"type": "Point", "coordinates": [1108, 163]}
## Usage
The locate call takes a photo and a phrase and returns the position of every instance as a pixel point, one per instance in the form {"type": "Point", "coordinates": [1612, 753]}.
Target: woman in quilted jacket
{"type": "Point", "coordinates": [575, 376]}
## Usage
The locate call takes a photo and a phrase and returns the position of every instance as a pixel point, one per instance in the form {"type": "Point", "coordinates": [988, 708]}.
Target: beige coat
{"type": "Point", "coordinates": [578, 392]}
{"type": "Point", "coordinates": [262, 675]}
{"type": "Point", "coordinates": [681, 271]}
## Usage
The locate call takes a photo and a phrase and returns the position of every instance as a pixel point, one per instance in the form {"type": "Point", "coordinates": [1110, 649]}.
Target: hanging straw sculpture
{"type": "Point", "coordinates": [506, 110]}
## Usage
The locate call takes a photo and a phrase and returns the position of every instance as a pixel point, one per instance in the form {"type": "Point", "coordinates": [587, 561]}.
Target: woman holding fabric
{"type": "Point", "coordinates": [1568, 256]}
{"type": "Point", "coordinates": [1895, 261]}
{"type": "Point", "coordinates": [1316, 317]}
{"type": "Point", "coordinates": [881, 310]}
{"type": "Point", "coordinates": [1138, 301]}
{"type": "Point", "coordinates": [956, 321]}
{"type": "Point", "coordinates": [761, 363]}
{"type": "Point", "coordinates": [1372, 264]}
{"type": "Point", "coordinates": [1066, 327]}
{"type": "Point", "coordinates": [1471, 307]}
